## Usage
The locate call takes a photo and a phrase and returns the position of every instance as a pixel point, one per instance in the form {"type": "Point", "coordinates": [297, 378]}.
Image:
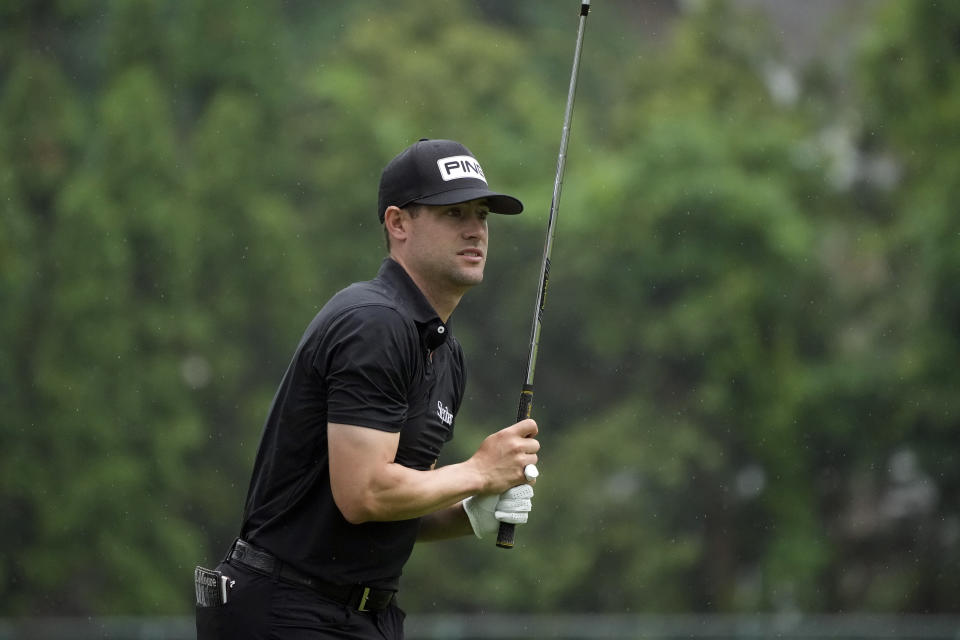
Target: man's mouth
{"type": "Point", "coordinates": [472, 253]}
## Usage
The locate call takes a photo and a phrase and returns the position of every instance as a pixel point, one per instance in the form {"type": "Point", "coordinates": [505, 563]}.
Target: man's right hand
{"type": "Point", "coordinates": [502, 457]}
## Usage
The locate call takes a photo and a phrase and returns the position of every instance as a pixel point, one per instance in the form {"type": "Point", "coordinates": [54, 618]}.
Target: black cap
{"type": "Point", "coordinates": [438, 172]}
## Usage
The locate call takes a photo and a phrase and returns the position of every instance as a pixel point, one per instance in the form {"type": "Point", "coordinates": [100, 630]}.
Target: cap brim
{"type": "Point", "coordinates": [499, 202]}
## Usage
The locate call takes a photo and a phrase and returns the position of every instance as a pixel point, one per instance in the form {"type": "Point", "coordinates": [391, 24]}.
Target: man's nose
{"type": "Point", "coordinates": [475, 226]}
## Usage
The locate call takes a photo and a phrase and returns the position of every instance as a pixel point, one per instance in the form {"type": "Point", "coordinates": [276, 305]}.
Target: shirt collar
{"type": "Point", "coordinates": [433, 331]}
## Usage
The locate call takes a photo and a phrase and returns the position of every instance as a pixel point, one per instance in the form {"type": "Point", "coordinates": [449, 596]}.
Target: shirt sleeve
{"type": "Point", "coordinates": [369, 362]}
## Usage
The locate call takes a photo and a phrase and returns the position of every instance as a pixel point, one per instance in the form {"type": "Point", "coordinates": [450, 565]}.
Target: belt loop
{"type": "Point", "coordinates": [233, 546]}
{"type": "Point", "coordinates": [363, 599]}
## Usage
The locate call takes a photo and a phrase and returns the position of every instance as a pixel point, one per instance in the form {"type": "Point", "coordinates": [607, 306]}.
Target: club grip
{"type": "Point", "coordinates": [505, 535]}
{"type": "Point", "coordinates": [507, 530]}
{"type": "Point", "coordinates": [526, 403]}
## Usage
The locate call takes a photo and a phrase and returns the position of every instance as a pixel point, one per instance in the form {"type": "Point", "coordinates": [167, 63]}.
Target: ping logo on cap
{"type": "Point", "coordinates": [456, 167]}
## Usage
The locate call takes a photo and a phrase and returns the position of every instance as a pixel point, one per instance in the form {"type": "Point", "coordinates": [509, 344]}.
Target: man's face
{"type": "Point", "coordinates": [448, 243]}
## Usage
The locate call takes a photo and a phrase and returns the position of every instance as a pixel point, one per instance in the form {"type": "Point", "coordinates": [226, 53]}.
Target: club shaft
{"type": "Point", "coordinates": [505, 535]}
{"type": "Point", "coordinates": [554, 207]}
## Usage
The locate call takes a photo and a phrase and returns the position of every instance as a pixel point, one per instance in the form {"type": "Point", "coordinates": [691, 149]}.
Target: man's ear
{"type": "Point", "coordinates": [395, 222]}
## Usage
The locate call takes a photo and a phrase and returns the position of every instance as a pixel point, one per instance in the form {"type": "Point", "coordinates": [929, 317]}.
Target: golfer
{"type": "Point", "coordinates": [345, 479]}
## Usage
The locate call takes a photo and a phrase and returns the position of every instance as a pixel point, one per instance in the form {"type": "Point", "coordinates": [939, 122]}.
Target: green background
{"type": "Point", "coordinates": [747, 389]}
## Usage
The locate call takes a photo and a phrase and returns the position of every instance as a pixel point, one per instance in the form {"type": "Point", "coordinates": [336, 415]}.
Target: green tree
{"type": "Point", "coordinates": [674, 346]}
{"type": "Point", "coordinates": [150, 246]}
{"type": "Point", "coordinates": [909, 98]}
{"type": "Point", "coordinates": [746, 379]}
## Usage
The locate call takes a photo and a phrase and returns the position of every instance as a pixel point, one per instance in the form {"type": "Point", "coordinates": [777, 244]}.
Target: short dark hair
{"type": "Point", "coordinates": [413, 209]}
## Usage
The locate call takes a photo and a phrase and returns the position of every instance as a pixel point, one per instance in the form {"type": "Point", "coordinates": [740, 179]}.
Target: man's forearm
{"type": "Point", "coordinates": [368, 485]}
{"type": "Point", "coordinates": [451, 522]}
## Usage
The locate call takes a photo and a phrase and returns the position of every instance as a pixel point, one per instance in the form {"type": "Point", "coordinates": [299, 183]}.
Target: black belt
{"type": "Point", "coordinates": [356, 596]}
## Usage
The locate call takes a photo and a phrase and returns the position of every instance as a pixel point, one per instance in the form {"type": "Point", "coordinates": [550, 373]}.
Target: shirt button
{"type": "Point", "coordinates": [441, 329]}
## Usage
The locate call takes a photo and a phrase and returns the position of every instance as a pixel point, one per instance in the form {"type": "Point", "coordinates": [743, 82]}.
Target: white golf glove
{"type": "Point", "coordinates": [487, 512]}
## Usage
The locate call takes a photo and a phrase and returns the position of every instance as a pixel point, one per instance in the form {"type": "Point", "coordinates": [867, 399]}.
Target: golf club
{"type": "Point", "coordinates": [505, 535]}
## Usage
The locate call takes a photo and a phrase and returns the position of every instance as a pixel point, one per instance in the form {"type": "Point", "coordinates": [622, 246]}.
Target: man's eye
{"type": "Point", "coordinates": [456, 213]}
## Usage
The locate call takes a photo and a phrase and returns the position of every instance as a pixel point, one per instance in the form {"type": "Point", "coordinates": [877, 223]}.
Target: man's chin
{"type": "Point", "coordinates": [470, 278]}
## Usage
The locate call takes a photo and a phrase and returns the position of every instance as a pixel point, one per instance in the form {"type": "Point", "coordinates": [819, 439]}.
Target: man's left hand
{"type": "Point", "coordinates": [487, 512]}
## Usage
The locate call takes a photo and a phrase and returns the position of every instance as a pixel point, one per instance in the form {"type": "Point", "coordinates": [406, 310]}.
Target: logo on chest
{"type": "Point", "coordinates": [445, 415]}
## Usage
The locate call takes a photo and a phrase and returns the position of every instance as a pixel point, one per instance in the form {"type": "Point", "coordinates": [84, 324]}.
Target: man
{"type": "Point", "coordinates": [345, 479]}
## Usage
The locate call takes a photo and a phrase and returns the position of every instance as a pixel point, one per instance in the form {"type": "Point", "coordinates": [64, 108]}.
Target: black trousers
{"type": "Point", "coordinates": [264, 607]}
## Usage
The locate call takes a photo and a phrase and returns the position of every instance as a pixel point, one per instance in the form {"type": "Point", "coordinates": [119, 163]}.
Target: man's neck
{"type": "Point", "coordinates": [443, 301]}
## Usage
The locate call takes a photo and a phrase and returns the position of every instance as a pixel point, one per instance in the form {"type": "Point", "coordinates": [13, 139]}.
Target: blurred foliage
{"type": "Point", "coordinates": [747, 384]}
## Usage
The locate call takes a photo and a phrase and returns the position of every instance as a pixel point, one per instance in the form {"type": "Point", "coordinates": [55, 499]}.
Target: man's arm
{"type": "Point", "coordinates": [368, 485]}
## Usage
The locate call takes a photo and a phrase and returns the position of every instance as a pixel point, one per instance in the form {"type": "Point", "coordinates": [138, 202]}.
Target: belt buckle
{"type": "Point", "coordinates": [363, 599]}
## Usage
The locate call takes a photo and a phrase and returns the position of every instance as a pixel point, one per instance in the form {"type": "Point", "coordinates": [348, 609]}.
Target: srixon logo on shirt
{"type": "Point", "coordinates": [445, 415]}
{"type": "Point", "coordinates": [456, 167]}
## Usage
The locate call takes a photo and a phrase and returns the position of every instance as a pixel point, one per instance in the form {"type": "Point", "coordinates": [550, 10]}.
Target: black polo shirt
{"type": "Point", "coordinates": [377, 356]}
